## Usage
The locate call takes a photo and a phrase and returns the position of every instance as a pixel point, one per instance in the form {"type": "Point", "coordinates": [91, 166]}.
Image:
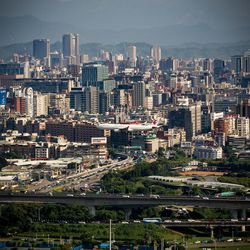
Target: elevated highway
{"type": "Point", "coordinates": [125, 201]}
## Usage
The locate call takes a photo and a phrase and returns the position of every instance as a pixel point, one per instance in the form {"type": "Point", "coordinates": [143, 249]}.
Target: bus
{"type": "Point", "coordinates": [152, 220]}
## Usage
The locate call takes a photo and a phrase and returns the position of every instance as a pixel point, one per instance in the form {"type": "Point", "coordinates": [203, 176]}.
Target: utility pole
{"type": "Point", "coordinates": [110, 234]}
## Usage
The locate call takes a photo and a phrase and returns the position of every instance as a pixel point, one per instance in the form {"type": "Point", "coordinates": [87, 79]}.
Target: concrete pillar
{"type": "Point", "coordinates": [128, 212]}
{"type": "Point", "coordinates": [92, 210]}
{"type": "Point", "coordinates": [234, 214]}
{"type": "Point", "coordinates": [243, 216]}
{"type": "Point", "coordinates": [212, 232]}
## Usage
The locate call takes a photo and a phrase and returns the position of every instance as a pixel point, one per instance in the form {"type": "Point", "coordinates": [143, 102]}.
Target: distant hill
{"type": "Point", "coordinates": [189, 50]}
{"type": "Point", "coordinates": [20, 29]}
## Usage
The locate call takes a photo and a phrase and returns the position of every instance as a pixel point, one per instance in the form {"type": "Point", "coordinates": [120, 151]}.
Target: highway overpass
{"type": "Point", "coordinates": [127, 202]}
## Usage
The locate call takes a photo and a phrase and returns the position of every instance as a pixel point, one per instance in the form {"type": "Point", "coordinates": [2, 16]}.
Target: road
{"type": "Point", "coordinates": [79, 180]}
{"type": "Point", "coordinates": [125, 201]}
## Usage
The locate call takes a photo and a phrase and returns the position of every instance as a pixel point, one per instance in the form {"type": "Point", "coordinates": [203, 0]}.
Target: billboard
{"type": "Point", "coordinates": [3, 97]}
{"type": "Point", "coordinates": [98, 140]}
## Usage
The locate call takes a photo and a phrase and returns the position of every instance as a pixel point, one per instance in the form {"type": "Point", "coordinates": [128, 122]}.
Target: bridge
{"type": "Point", "coordinates": [126, 202]}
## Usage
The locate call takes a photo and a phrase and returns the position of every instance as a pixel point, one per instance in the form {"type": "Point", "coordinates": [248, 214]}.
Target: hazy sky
{"type": "Point", "coordinates": [122, 14]}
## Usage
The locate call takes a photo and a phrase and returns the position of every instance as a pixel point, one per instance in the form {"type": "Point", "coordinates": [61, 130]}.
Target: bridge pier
{"type": "Point", "coordinates": [128, 212]}
{"type": "Point", "coordinates": [212, 232]}
{"type": "Point", "coordinates": [92, 210]}
{"type": "Point", "coordinates": [234, 213]}
{"type": "Point", "coordinates": [243, 217]}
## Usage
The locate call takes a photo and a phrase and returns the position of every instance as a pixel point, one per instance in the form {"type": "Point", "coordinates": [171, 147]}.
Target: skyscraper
{"type": "Point", "coordinates": [132, 55]}
{"type": "Point", "coordinates": [93, 73]}
{"type": "Point", "coordinates": [139, 93]}
{"type": "Point", "coordinates": [41, 50]}
{"type": "Point", "coordinates": [237, 63]}
{"type": "Point", "coordinates": [156, 54]}
{"type": "Point", "coordinates": [71, 48]}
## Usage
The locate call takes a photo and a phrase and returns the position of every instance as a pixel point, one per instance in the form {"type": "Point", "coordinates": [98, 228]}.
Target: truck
{"type": "Point", "coordinates": [225, 194]}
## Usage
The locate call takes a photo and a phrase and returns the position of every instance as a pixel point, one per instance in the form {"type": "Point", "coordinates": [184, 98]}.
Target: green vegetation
{"type": "Point", "coordinates": [245, 181]}
{"type": "Point", "coordinates": [135, 181]}
{"type": "Point", "coordinates": [208, 213]}
{"type": "Point", "coordinates": [91, 232]}
{"type": "Point", "coordinates": [231, 164]}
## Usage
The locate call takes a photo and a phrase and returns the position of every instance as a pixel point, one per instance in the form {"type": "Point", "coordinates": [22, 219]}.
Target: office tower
{"type": "Point", "coordinates": [104, 102]}
{"type": "Point", "coordinates": [71, 48]}
{"type": "Point", "coordinates": [237, 63]}
{"type": "Point", "coordinates": [218, 68]}
{"type": "Point", "coordinates": [226, 104]}
{"type": "Point", "coordinates": [15, 69]}
{"type": "Point", "coordinates": [188, 118]}
{"type": "Point", "coordinates": [157, 99]}
{"type": "Point", "coordinates": [139, 93]}
{"type": "Point", "coordinates": [169, 64]}
{"type": "Point", "coordinates": [93, 73]}
{"type": "Point", "coordinates": [246, 62]}
{"type": "Point", "coordinates": [41, 50]}
{"type": "Point", "coordinates": [118, 97]}
{"type": "Point", "coordinates": [242, 125]}
{"type": "Point", "coordinates": [243, 109]}
{"type": "Point", "coordinates": [77, 100]}
{"type": "Point", "coordinates": [91, 99]}
{"type": "Point", "coordinates": [208, 64]}
{"type": "Point", "coordinates": [132, 55]}
{"type": "Point", "coordinates": [156, 54]}
{"type": "Point", "coordinates": [181, 118]}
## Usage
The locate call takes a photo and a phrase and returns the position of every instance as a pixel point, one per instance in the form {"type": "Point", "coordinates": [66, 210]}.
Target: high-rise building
{"type": "Point", "coordinates": [132, 55]}
{"type": "Point", "coordinates": [169, 64]}
{"type": "Point", "coordinates": [77, 99]}
{"type": "Point", "coordinates": [237, 63]}
{"type": "Point", "coordinates": [188, 118]}
{"type": "Point", "coordinates": [218, 68]}
{"type": "Point", "coordinates": [139, 93]}
{"type": "Point", "coordinates": [156, 54]}
{"type": "Point", "coordinates": [208, 64]}
{"type": "Point", "coordinates": [93, 73]}
{"type": "Point", "coordinates": [71, 48]}
{"type": "Point", "coordinates": [104, 102]}
{"type": "Point", "coordinates": [242, 125]}
{"type": "Point", "coordinates": [243, 109]}
{"type": "Point", "coordinates": [41, 50]}
{"type": "Point", "coordinates": [91, 99]}
{"type": "Point", "coordinates": [226, 104]}
{"type": "Point", "coordinates": [40, 104]}
{"type": "Point", "coordinates": [246, 64]}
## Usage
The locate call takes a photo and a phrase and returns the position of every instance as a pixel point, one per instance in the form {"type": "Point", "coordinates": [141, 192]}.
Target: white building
{"type": "Point", "coordinates": [208, 152]}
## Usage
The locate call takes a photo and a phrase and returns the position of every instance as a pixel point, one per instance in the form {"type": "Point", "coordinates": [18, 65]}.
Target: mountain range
{"type": "Point", "coordinates": [198, 40]}
{"type": "Point", "coordinates": [26, 28]}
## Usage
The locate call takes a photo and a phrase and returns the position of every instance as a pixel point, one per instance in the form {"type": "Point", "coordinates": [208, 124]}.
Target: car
{"type": "Point", "coordinates": [156, 196]}
{"type": "Point", "coordinates": [167, 221]}
{"type": "Point", "coordinates": [70, 195]}
{"type": "Point", "coordinates": [177, 221]}
{"type": "Point", "coordinates": [191, 220]}
{"type": "Point", "coordinates": [230, 240]}
{"type": "Point", "coordinates": [205, 198]}
{"type": "Point", "coordinates": [125, 196]}
{"type": "Point", "coordinates": [125, 222]}
{"type": "Point", "coordinates": [83, 194]}
{"type": "Point", "coordinates": [137, 221]}
{"type": "Point", "coordinates": [234, 220]}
